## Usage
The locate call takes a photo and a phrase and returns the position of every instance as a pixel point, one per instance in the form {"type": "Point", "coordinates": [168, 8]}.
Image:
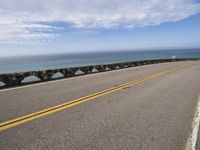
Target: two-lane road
{"type": "Point", "coordinates": [146, 107]}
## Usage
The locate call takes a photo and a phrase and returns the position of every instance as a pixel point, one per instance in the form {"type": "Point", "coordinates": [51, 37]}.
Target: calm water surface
{"type": "Point", "coordinates": [33, 63]}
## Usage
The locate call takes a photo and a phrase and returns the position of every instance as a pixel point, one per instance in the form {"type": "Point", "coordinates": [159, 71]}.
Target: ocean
{"type": "Point", "coordinates": [35, 63]}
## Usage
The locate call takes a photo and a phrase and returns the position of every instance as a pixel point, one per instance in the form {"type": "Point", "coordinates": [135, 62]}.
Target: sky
{"type": "Point", "coordinates": [34, 27]}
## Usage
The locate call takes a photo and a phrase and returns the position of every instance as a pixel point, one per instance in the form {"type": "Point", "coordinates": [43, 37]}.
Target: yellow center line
{"type": "Point", "coordinates": [71, 103]}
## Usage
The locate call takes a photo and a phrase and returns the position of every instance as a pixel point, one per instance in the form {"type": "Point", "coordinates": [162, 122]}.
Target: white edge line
{"type": "Point", "coordinates": [192, 140]}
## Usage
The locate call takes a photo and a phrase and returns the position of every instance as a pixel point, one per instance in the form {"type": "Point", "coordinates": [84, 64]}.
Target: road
{"type": "Point", "coordinates": [154, 112]}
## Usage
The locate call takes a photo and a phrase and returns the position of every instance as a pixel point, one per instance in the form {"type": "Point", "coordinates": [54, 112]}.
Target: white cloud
{"type": "Point", "coordinates": [20, 20]}
{"type": "Point", "coordinates": [24, 33]}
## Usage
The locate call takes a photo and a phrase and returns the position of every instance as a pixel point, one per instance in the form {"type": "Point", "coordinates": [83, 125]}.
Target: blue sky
{"type": "Point", "coordinates": [68, 26]}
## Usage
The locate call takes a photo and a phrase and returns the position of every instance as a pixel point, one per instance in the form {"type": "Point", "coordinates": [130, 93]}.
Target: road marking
{"type": "Point", "coordinates": [192, 140]}
{"type": "Point", "coordinates": [54, 109]}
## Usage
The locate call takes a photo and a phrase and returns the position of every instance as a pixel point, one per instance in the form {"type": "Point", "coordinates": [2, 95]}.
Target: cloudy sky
{"type": "Point", "coordinates": [29, 27]}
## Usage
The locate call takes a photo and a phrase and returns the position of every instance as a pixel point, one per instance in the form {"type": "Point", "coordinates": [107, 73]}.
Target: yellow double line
{"type": "Point", "coordinates": [54, 109]}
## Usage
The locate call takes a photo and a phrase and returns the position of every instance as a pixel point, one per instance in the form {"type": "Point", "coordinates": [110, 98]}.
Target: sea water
{"type": "Point", "coordinates": [43, 62]}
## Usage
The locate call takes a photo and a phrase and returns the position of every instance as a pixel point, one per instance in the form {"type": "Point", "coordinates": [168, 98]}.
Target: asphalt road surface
{"type": "Point", "coordinates": [152, 113]}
